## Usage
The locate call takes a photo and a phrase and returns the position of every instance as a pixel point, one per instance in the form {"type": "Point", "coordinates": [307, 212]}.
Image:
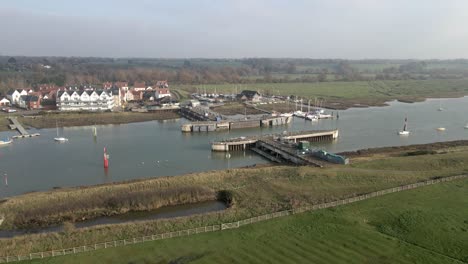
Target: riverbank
{"type": "Point", "coordinates": [392, 228]}
{"type": "Point", "coordinates": [68, 119]}
{"type": "Point", "coordinates": [345, 95]}
{"type": "Point", "coordinates": [252, 192]}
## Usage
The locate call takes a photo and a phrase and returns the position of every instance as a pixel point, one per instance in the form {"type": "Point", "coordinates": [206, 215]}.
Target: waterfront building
{"type": "Point", "coordinates": [162, 92]}
{"type": "Point", "coordinates": [139, 86]}
{"type": "Point", "coordinates": [29, 102]}
{"type": "Point", "coordinates": [5, 102]}
{"type": "Point", "coordinates": [84, 100]}
{"type": "Point", "coordinates": [15, 94]}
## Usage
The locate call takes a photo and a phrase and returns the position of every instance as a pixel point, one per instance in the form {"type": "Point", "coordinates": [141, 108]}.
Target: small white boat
{"type": "Point", "coordinates": [324, 116]}
{"type": "Point", "coordinates": [59, 139]}
{"type": "Point", "coordinates": [286, 114]}
{"type": "Point", "coordinates": [299, 114]}
{"type": "Point", "coordinates": [312, 117]}
{"type": "Point", "coordinates": [405, 131]}
{"type": "Point", "coordinates": [440, 129]}
{"type": "Point", "coordinates": [6, 142]}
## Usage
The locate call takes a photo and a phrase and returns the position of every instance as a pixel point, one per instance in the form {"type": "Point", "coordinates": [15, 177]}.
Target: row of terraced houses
{"type": "Point", "coordinates": [88, 98]}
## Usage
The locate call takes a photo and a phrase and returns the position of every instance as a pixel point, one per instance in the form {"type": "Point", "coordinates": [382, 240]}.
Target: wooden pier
{"type": "Point", "coordinates": [278, 148]}
{"type": "Point", "coordinates": [15, 124]}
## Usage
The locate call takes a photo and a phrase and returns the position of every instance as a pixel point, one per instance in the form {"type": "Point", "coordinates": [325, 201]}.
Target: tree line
{"type": "Point", "coordinates": [22, 72]}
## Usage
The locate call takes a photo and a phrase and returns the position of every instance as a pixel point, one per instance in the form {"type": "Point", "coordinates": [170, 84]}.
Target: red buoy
{"type": "Point", "coordinates": [106, 159]}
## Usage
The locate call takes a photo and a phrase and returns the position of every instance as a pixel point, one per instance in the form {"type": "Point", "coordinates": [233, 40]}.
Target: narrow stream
{"type": "Point", "coordinates": [161, 213]}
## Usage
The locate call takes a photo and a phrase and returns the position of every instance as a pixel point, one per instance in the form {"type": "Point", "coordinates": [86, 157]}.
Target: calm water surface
{"type": "Point", "coordinates": [159, 148]}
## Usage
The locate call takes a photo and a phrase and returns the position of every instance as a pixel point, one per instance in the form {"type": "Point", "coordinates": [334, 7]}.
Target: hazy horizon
{"type": "Point", "coordinates": [353, 30]}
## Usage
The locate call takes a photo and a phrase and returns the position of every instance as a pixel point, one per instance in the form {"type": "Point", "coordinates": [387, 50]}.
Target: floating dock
{"type": "Point", "coordinates": [15, 124]}
{"type": "Point", "coordinates": [278, 148]}
{"type": "Point", "coordinates": [208, 126]}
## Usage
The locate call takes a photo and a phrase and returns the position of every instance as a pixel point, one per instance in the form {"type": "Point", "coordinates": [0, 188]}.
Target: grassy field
{"type": "Point", "coordinates": [255, 191]}
{"type": "Point", "coordinates": [349, 94]}
{"type": "Point", "coordinates": [414, 226]}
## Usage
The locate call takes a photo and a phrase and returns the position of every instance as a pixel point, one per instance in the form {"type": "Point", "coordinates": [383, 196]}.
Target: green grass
{"type": "Point", "coordinates": [256, 191]}
{"type": "Point", "coordinates": [360, 90]}
{"type": "Point", "coordinates": [426, 225]}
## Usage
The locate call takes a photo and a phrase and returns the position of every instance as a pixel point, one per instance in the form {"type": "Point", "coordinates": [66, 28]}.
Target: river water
{"type": "Point", "coordinates": [130, 217]}
{"type": "Point", "coordinates": [159, 148]}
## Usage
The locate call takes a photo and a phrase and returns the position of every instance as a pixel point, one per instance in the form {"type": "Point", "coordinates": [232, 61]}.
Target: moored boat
{"type": "Point", "coordinates": [405, 131]}
{"type": "Point", "coordinates": [6, 141]}
{"type": "Point", "coordinates": [286, 114]}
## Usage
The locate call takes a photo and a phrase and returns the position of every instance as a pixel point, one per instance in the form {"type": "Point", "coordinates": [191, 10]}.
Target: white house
{"type": "Point", "coordinates": [5, 102]}
{"type": "Point", "coordinates": [162, 92]}
{"type": "Point", "coordinates": [14, 95]}
{"type": "Point", "coordinates": [84, 100]}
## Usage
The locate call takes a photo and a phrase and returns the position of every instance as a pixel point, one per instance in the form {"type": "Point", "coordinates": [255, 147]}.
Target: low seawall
{"type": "Point", "coordinates": [209, 126]}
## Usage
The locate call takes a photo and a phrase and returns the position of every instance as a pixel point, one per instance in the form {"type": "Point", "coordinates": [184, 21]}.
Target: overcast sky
{"type": "Point", "coordinates": [350, 29]}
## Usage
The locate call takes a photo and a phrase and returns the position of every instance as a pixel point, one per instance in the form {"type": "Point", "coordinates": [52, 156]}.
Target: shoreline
{"type": "Point", "coordinates": [73, 119]}
{"type": "Point", "coordinates": [30, 122]}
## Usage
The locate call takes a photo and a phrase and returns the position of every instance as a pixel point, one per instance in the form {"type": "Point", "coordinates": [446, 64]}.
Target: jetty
{"type": "Point", "coordinates": [207, 126]}
{"type": "Point", "coordinates": [198, 114]}
{"type": "Point", "coordinates": [280, 148]}
{"type": "Point", "coordinates": [15, 124]}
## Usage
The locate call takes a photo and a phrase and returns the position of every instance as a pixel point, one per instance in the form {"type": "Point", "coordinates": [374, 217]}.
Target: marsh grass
{"type": "Point", "coordinates": [89, 118]}
{"type": "Point", "coordinates": [255, 191]}
{"type": "Point", "coordinates": [413, 226]}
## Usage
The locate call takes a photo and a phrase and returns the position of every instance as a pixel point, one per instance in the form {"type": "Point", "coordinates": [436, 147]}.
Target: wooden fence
{"type": "Point", "coordinates": [223, 226]}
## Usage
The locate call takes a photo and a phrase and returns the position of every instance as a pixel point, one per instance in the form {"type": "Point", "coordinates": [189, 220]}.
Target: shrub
{"type": "Point", "coordinates": [226, 197]}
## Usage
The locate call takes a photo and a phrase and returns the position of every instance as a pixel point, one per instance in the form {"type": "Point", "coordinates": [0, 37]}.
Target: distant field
{"type": "Point", "coordinates": [426, 225]}
{"type": "Point", "coordinates": [371, 92]}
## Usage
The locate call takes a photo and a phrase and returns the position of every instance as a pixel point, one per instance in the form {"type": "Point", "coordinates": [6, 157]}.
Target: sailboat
{"type": "Point", "coordinates": [59, 139]}
{"type": "Point", "coordinates": [404, 132]}
{"type": "Point", "coordinates": [440, 107]}
{"type": "Point", "coordinates": [94, 132]}
{"type": "Point", "coordinates": [299, 113]}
